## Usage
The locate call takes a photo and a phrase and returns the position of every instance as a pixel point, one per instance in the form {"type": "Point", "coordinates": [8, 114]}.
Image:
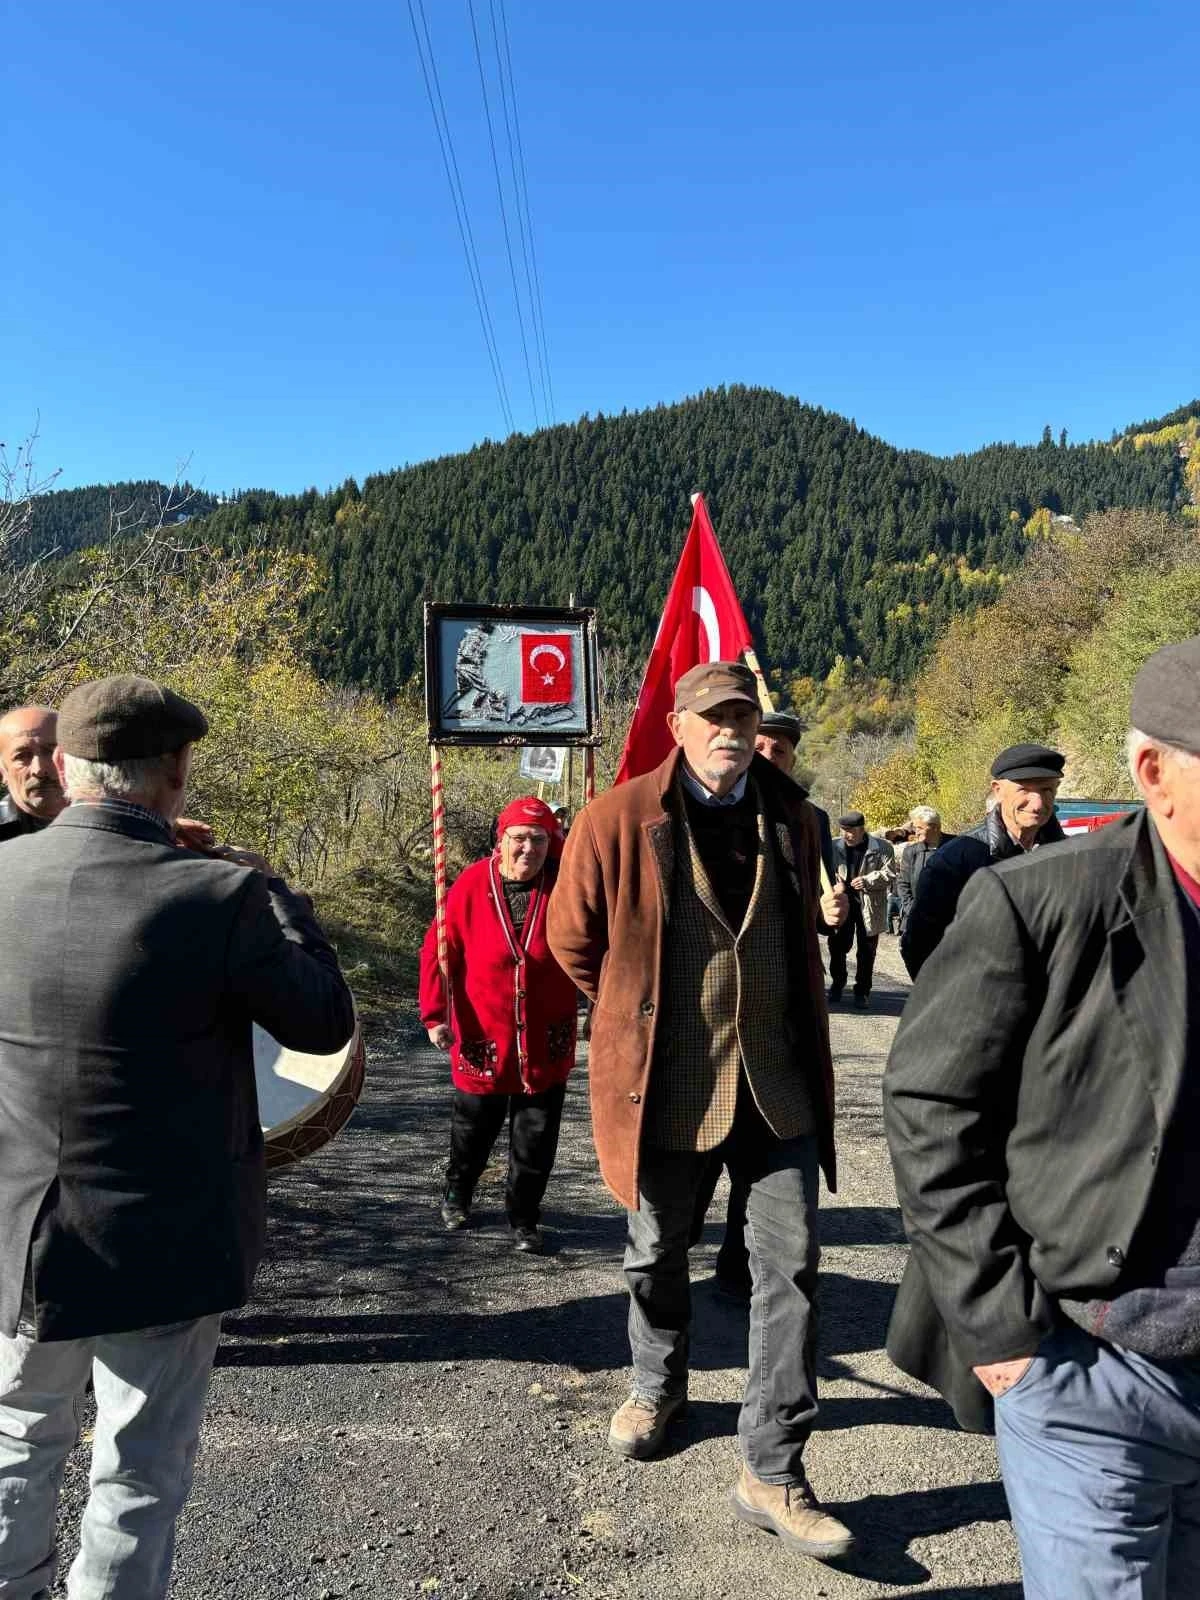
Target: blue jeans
{"type": "Point", "coordinates": [150, 1388]}
{"type": "Point", "coordinates": [1100, 1453]}
{"type": "Point", "coordinates": [780, 1401]}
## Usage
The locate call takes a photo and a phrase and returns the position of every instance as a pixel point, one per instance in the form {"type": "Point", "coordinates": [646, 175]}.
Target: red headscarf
{"type": "Point", "coordinates": [529, 812]}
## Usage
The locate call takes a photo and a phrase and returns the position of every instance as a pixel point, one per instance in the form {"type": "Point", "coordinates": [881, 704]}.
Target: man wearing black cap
{"type": "Point", "coordinates": [1041, 1104]}
{"type": "Point", "coordinates": [1020, 818]}
{"type": "Point", "coordinates": [866, 865]}
{"type": "Point", "coordinates": [131, 1156]}
{"type": "Point", "coordinates": [686, 910]}
{"type": "Point", "coordinates": [777, 739]}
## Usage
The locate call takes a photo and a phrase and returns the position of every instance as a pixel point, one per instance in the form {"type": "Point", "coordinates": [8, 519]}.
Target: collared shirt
{"type": "Point", "coordinates": [705, 796]}
{"type": "Point", "coordinates": [127, 808]}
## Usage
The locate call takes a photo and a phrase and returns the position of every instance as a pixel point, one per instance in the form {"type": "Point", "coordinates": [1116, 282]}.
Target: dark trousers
{"type": "Point", "coordinates": [533, 1124]}
{"type": "Point", "coordinates": [840, 940]}
{"type": "Point", "coordinates": [780, 1175]}
{"type": "Point", "coordinates": [733, 1258]}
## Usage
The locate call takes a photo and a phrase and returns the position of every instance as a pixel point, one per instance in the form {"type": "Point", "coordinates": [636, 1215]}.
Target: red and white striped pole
{"type": "Point", "coordinates": [439, 865]}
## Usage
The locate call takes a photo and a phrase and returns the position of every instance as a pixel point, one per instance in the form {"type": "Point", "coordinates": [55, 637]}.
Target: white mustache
{"type": "Point", "coordinates": [733, 743]}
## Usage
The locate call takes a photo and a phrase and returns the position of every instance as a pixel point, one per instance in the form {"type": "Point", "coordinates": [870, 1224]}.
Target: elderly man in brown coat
{"type": "Point", "coordinates": [686, 910]}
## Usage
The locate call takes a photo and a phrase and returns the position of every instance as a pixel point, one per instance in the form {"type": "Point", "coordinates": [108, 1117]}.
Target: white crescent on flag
{"type": "Point", "coordinates": [702, 605]}
{"type": "Point", "coordinates": [560, 660]}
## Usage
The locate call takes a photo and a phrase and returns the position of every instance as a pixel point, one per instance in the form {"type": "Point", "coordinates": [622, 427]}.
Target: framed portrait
{"type": "Point", "coordinates": [511, 675]}
{"type": "Point", "coordinates": [542, 763]}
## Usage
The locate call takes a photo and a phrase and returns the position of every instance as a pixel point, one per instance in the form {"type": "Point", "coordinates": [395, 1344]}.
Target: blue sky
{"type": "Point", "coordinates": [229, 237]}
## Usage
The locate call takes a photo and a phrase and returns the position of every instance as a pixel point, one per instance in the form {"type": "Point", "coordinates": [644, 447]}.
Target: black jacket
{"type": "Point", "coordinates": [1026, 1099]}
{"type": "Point", "coordinates": [912, 863]}
{"type": "Point", "coordinates": [945, 876]}
{"type": "Point", "coordinates": [131, 1157]}
{"type": "Point", "coordinates": [15, 823]}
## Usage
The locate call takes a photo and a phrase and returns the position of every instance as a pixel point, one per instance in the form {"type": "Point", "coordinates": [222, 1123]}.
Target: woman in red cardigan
{"type": "Point", "coordinates": [508, 1021]}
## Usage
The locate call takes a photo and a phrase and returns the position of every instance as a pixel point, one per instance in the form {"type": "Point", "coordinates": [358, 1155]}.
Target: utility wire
{"type": "Point", "coordinates": [437, 107]}
{"type": "Point", "coordinates": [523, 201]}
{"type": "Point", "coordinates": [512, 269]}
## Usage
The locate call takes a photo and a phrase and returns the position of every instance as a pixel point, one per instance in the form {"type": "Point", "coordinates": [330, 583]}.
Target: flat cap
{"type": "Point", "coordinates": [782, 724]}
{"type": "Point", "coordinates": [1166, 696]}
{"type": "Point", "coordinates": [126, 718]}
{"type": "Point", "coordinates": [712, 683]}
{"type": "Point", "coordinates": [1028, 761]}
{"type": "Point", "coordinates": [852, 819]}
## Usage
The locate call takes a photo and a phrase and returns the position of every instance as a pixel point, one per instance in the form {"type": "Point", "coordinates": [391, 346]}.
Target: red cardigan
{"type": "Point", "coordinates": [512, 1008]}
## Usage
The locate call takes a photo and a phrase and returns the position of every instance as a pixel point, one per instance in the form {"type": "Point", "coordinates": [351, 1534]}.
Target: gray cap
{"type": "Point", "coordinates": [852, 819]}
{"type": "Point", "coordinates": [782, 724]}
{"type": "Point", "coordinates": [125, 719]}
{"type": "Point", "coordinates": [1166, 696]}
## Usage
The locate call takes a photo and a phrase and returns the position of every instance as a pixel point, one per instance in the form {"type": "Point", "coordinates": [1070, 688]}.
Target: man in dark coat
{"type": "Point", "coordinates": [28, 735]}
{"type": "Point", "coordinates": [1025, 780]}
{"type": "Point", "coordinates": [131, 1156]}
{"type": "Point", "coordinates": [927, 837]}
{"type": "Point", "coordinates": [1041, 1104]}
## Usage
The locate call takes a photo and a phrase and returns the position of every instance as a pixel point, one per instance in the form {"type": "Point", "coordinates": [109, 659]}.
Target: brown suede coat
{"type": "Point", "coordinates": [607, 920]}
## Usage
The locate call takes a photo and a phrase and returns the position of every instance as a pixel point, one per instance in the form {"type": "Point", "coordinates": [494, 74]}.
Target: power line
{"type": "Point", "coordinates": [512, 270]}
{"type": "Point", "coordinates": [523, 204]}
{"type": "Point", "coordinates": [458, 197]}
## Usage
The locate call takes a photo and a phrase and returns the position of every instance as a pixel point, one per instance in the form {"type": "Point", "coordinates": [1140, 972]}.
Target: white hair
{"type": "Point", "coordinates": [924, 814]}
{"type": "Point", "coordinates": [117, 780]}
{"type": "Point", "coordinates": [1136, 741]}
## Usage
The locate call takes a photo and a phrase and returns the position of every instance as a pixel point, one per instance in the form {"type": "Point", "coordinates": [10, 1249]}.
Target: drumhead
{"type": "Point", "coordinates": [303, 1100]}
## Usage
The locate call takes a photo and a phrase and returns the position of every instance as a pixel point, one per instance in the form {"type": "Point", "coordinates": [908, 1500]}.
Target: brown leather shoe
{"type": "Point", "coordinates": [792, 1511]}
{"type": "Point", "coordinates": [640, 1425]}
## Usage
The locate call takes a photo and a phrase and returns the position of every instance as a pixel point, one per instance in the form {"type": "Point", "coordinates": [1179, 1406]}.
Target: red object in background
{"type": "Point", "coordinates": [701, 621]}
{"type": "Point", "coordinates": [1090, 824]}
{"type": "Point", "coordinates": [545, 668]}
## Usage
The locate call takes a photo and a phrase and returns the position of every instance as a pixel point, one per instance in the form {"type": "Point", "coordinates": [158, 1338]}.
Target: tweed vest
{"type": "Point", "coordinates": [723, 1006]}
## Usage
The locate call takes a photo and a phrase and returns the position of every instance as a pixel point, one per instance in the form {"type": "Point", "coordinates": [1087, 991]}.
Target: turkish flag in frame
{"type": "Point", "coordinates": [546, 675]}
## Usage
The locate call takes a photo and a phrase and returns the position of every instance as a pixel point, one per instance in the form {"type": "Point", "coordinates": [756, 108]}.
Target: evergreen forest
{"type": "Point", "coordinates": [839, 544]}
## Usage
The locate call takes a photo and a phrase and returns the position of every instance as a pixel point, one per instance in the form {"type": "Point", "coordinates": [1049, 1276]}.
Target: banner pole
{"type": "Point", "coordinates": [438, 807]}
{"type": "Point", "coordinates": [589, 774]}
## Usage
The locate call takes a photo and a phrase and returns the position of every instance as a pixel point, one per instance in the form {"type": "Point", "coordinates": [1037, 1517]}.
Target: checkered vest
{"type": "Point", "coordinates": [723, 1004]}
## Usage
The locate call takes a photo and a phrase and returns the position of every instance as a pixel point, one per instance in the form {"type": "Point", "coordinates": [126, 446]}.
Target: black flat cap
{"type": "Point", "coordinates": [126, 718]}
{"type": "Point", "coordinates": [1166, 696]}
{"type": "Point", "coordinates": [1028, 761]}
{"type": "Point", "coordinates": [852, 819]}
{"type": "Point", "coordinates": [782, 724]}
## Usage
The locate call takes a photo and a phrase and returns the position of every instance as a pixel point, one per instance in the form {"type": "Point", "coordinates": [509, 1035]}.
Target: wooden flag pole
{"type": "Point", "coordinates": [589, 775]}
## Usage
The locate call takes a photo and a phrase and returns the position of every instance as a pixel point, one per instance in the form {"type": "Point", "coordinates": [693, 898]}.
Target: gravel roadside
{"type": "Point", "coordinates": [402, 1411]}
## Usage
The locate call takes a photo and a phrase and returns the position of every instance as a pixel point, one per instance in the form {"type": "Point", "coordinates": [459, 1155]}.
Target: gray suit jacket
{"type": "Point", "coordinates": [131, 1157]}
{"type": "Point", "coordinates": [1026, 1098]}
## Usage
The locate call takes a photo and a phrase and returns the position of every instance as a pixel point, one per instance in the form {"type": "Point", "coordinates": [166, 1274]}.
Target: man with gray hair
{"type": "Point", "coordinates": [1041, 1104]}
{"type": "Point", "coordinates": [131, 1156]}
{"type": "Point", "coordinates": [927, 837]}
{"type": "Point", "coordinates": [28, 735]}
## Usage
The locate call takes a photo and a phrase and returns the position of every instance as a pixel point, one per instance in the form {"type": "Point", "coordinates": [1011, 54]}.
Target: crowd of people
{"type": "Point", "coordinates": [1038, 1105]}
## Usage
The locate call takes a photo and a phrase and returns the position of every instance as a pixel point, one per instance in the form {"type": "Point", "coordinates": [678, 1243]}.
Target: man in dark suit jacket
{"type": "Point", "coordinates": [1025, 780]}
{"type": "Point", "coordinates": [1041, 1104]}
{"type": "Point", "coordinates": [131, 1157]}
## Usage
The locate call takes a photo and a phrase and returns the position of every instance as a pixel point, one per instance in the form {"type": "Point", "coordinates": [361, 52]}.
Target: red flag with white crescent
{"type": "Point", "coordinates": [701, 621]}
{"type": "Point", "coordinates": [546, 668]}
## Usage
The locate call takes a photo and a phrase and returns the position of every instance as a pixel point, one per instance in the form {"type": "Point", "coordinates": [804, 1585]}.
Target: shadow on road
{"type": "Point", "coordinates": [887, 1524]}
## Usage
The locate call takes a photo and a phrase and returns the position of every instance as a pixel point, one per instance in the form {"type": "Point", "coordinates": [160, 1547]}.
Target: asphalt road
{"type": "Point", "coordinates": [404, 1412]}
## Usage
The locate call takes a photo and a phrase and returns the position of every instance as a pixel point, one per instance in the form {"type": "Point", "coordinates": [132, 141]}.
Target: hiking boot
{"type": "Point", "coordinates": [455, 1213]}
{"type": "Point", "coordinates": [528, 1239]}
{"type": "Point", "coordinates": [639, 1426]}
{"type": "Point", "coordinates": [862, 1002]}
{"type": "Point", "coordinates": [792, 1511]}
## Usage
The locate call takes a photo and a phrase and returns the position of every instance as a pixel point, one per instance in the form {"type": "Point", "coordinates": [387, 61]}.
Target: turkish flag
{"type": "Point", "coordinates": [701, 621]}
{"type": "Point", "coordinates": [546, 668]}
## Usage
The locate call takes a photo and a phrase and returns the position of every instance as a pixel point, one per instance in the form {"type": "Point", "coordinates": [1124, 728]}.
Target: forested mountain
{"type": "Point", "coordinates": [70, 519]}
{"type": "Point", "coordinates": [838, 543]}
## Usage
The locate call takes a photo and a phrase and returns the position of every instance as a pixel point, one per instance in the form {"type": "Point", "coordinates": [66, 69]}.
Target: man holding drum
{"type": "Point", "coordinates": [131, 1157]}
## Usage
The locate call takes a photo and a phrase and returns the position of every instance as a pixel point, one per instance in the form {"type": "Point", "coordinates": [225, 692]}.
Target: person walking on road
{"type": "Point", "coordinates": [866, 865]}
{"type": "Point", "coordinates": [927, 836]}
{"type": "Point", "coordinates": [1025, 780]}
{"type": "Point", "coordinates": [505, 1015]}
{"type": "Point", "coordinates": [687, 911]}
{"type": "Point", "coordinates": [1041, 1104]}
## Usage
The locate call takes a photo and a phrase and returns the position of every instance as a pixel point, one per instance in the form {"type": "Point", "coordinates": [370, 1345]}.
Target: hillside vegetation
{"type": "Point", "coordinates": [839, 544]}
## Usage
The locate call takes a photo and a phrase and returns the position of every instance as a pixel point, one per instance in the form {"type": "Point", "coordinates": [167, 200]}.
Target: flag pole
{"type": "Point", "coordinates": [438, 807]}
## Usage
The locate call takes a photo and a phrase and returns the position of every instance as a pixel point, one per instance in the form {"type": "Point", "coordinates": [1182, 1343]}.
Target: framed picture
{"type": "Point", "coordinates": [542, 763]}
{"type": "Point", "coordinates": [511, 675]}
